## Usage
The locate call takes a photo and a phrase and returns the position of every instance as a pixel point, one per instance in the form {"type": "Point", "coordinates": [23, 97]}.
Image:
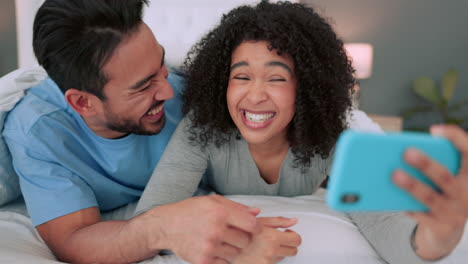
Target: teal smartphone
{"type": "Point", "coordinates": [362, 168]}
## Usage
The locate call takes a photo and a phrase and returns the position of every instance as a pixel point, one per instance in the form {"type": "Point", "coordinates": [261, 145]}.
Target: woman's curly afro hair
{"type": "Point", "coordinates": [324, 75]}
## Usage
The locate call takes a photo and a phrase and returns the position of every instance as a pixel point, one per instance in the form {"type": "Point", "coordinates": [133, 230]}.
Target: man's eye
{"type": "Point", "coordinates": [145, 88]}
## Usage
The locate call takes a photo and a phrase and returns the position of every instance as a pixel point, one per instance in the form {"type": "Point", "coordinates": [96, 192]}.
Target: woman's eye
{"type": "Point", "coordinates": [277, 80]}
{"type": "Point", "coordinates": [241, 78]}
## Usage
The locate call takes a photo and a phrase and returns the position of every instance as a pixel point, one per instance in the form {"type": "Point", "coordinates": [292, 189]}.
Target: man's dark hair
{"type": "Point", "coordinates": [324, 75]}
{"type": "Point", "coordinates": [74, 39]}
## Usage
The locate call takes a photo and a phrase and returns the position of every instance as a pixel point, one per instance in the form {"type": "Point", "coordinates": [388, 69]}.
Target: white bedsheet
{"type": "Point", "coordinates": [328, 237]}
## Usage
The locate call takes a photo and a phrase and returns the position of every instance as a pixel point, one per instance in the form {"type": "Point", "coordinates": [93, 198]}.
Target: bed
{"type": "Point", "coordinates": [328, 236]}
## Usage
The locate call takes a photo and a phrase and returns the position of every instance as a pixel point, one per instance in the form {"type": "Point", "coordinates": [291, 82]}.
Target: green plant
{"type": "Point", "coordinates": [439, 99]}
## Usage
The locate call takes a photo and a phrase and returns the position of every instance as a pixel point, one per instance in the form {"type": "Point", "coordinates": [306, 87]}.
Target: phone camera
{"type": "Point", "coordinates": [350, 198]}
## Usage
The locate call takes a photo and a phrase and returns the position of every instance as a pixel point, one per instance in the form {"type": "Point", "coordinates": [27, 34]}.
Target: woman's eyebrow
{"type": "Point", "coordinates": [279, 64]}
{"type": "Point", "coordinates": [239, 64]}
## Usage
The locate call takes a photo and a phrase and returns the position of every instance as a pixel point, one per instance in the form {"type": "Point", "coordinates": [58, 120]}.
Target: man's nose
{"type": "Point", "coordinates": [165, 92]}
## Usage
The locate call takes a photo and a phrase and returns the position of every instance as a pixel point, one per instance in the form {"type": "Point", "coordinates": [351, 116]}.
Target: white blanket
{"type": "Point", "coordinates": [12, 89]}
{"type": "Point", "coordinates": [328, 237]}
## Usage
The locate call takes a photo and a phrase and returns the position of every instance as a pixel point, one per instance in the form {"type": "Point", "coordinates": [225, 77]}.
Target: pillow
{"type": "Point", "coordinates": [327, 236]}
{"type": "Point", "coordinates": [12, 89]}
{"type": "Point", "coordinates": [359, 121]}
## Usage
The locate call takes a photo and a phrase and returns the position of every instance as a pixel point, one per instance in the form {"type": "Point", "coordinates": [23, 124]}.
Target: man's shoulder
{"type": "Point", "coordinates": [177, 80]}
{"type": "Point", "coordinates": [31, 113]}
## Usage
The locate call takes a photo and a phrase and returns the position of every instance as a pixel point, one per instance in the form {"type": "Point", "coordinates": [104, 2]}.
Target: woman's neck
{"type": "Point", "coordinates": [268, 149]}
{"type": "Point", "coordinates": [269, 157]}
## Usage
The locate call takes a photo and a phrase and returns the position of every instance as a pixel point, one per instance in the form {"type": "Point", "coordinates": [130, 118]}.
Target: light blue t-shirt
{"type": "Point", "coordinates": [64, 167]}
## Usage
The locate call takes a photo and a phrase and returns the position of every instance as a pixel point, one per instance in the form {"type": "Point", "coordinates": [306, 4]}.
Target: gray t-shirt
{"type": "Point", "coordinates": [230, 169]}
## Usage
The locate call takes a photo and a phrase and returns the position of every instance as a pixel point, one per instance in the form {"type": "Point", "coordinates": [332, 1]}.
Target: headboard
{"type": "Point", "coordinates": [177, 24]}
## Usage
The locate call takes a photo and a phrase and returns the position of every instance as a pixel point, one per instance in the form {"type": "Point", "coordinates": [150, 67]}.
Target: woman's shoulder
{"type": "Point", "coordinates": [317, 163]}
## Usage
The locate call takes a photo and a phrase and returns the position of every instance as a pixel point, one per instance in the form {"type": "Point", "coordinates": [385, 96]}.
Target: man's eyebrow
{"type": "Point", "coordinates": [280, 64]}
{"type": "Point", "coordinates": [239, 64]}
{"type": "Point", "coordinates": [141, 82]}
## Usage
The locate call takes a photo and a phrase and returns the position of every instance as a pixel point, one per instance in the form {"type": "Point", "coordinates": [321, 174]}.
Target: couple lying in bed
{"type": "Point", "coordinates": [267, 94]}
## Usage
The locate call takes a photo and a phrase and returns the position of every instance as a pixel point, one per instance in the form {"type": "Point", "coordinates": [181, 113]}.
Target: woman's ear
{"type": "Point", "coordinates": [82, 102]}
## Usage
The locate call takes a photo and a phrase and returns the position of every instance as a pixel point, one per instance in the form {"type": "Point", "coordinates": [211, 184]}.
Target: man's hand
{"type": "Point", "coordinates": [209, 229]}
{"type": "Point", "coordinates": [439, 230]}
{"type": "Point", "coordinates": [271, 245]}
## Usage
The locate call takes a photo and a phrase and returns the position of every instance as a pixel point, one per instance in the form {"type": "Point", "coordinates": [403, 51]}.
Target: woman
{"type": "Point", "coordinates": [268, 93]}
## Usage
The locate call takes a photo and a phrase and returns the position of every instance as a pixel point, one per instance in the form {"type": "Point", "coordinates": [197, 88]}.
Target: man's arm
{"type": "Point", "coordinates": [208, 229]}
{"type": "Point", "coordinates": [80, 237]}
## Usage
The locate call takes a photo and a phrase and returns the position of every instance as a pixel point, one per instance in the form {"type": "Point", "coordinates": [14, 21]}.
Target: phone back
{"type": "Point", "coordinates": [361, 174]}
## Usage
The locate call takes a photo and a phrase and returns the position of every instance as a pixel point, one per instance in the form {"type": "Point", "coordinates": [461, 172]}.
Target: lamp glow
{"type": "Point", "coordinates": [361, 55]}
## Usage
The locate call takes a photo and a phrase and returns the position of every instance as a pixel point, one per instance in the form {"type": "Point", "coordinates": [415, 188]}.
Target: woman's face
{"type": "Point", "coordinates": [261, 92]}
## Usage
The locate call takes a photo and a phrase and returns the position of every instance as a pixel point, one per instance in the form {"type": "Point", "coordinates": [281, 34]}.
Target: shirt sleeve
{"type": "Point", "coordinates": [390, 235]}
{"type": "Point", "coordinates": [49, 189]}
{"type": "Point", "coordinates": [177, 174]}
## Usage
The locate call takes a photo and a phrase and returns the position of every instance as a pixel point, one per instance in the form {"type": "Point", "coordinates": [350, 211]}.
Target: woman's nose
{"type": "Point", "coordinates": [257, 93]}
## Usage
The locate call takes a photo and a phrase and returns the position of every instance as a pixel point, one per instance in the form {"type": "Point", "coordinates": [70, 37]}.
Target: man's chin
{"type": "Point", "coordinates": [147, 129]}
{"type": "Point", "coordinates": [155, 128]}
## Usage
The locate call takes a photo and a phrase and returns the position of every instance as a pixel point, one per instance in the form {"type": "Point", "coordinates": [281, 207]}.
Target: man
{"type": "Point", "coordinates": [74, 144]}
{"type": "Point", "coordinates": [87, 140]}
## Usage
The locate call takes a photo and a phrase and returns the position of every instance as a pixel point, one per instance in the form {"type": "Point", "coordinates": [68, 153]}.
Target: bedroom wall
{"type": "Point", "coordinates": [410, 38]}
{"type": "Point", "coordinates": [8, 60]}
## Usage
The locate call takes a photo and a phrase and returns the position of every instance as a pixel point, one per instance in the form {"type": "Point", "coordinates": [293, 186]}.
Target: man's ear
{"type": "Point", "coordinates": [82, 102]}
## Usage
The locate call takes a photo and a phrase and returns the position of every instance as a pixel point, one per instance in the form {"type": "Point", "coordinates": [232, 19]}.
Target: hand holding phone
{"type": "Point", "coordinates": [361, 174]}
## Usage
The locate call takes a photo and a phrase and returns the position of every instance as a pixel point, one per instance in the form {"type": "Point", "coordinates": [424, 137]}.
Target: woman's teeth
{"type": "Point", "coordinates": [258, 118]}
{"type": "Point", "coordinates": [155, 110]}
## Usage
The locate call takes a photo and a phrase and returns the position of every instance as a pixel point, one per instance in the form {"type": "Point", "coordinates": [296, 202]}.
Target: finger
{"type": "Point", "coordinates": [459, 138]}
{"type": "Point", "coordinates": [293, 238]}
{"type": "Point", "coordinates": [237, 238]}
{"type": "Point", "coordinates": [421, 218]}
{"type": "Point", "coordinates": [220, 261]}
{"type": "Point", "coordinates": [287, 251]}
{"type": "Point", "coordinates": [239, 216]}
{"type": "Point", "coordinates": [278, 259]}
{"type": "Point", "coordinates": [434, 171]}
{"type": "Point", "coordinates": [244, 222]}
{"type": "Point", "coordinates": [455, 134]}
{"type": "Point", "coordinates": [278, 222]}
{"type": "Point", "coordinates": [420, 191]}
{"type": "Point", "coordinates": [234, 205]}
{"type": "Point", "coordinates": [254, 211]}
{"type": "Point", "coordinates": [227, 252]}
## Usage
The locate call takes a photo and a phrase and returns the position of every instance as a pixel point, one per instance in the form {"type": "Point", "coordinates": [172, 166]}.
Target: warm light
{"type": "Point", "coordinates": [362, 56]}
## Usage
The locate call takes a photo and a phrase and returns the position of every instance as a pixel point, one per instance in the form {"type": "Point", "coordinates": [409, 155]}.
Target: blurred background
{"type": "Point", "coordinates": [409, 40]}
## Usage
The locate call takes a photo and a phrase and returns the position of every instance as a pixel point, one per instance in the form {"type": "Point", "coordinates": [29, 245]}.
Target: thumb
{"type": "Point", "coordinates": [253, 210]}
{"type": "Point", "coordinates": [278, 222]}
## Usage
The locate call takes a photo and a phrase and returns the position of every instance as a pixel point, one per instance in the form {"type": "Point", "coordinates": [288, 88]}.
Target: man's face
{"type": "Point", "coordinates": [137, 88]}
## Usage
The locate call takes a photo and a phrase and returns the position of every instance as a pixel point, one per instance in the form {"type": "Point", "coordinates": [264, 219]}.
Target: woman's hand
{"type": "Point", "coordinates": [440, 229]}
{"type": "Point", "coordinates": [271, 245]}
